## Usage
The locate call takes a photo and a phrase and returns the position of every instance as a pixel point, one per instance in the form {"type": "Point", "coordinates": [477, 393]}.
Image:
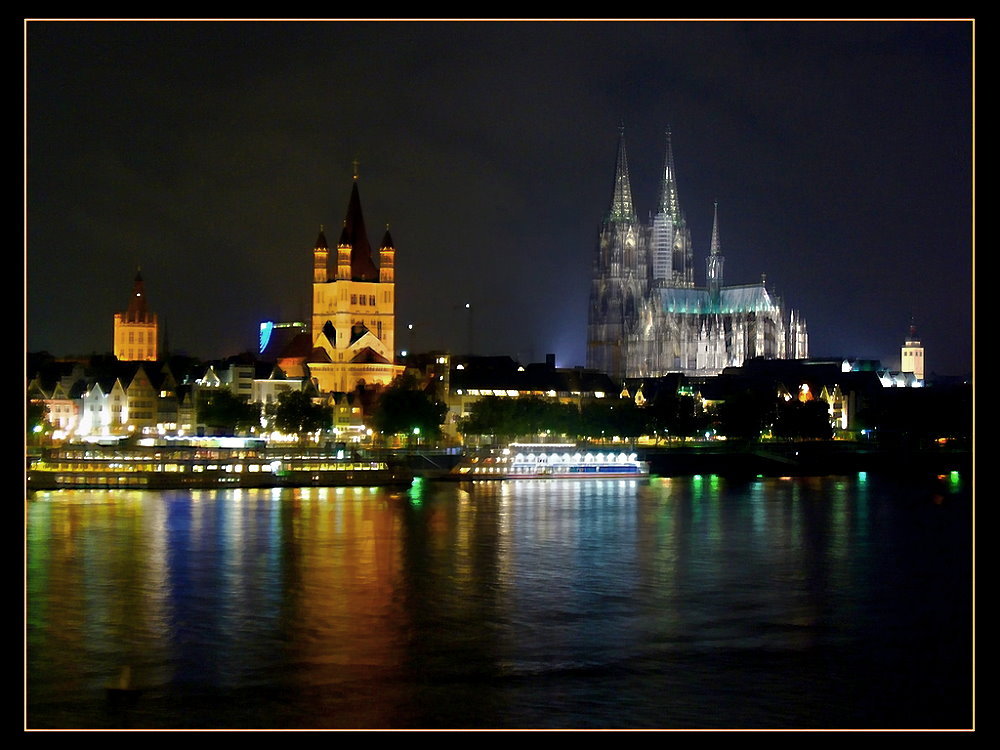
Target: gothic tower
{"type": "Point", "coordinates": [353, 312]}
{"type": "Point", "coordinates": [670, 238]}
{"type": "Point", "coordinates": [621, 275]}
{"type": "Point", "coordinates": [136, 329]}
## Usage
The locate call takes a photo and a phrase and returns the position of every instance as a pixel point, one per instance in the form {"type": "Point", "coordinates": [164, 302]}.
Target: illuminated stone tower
{"type": "Point", "coordinates": [136, 329]}
{"type": "Point", "coordinates": [621, 276]}
{"type": "Point", "coordinates": [912, 354]}
{"type": "Point", "coordinates": [670, 238]}
{"type": "Point", "coordinates": [353, 310]}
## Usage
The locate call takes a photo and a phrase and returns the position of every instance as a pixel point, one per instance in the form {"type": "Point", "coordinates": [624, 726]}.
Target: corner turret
{"type": "Point", "coordinates": [321, 254]}
{"type": "Point", "coordinates": [387, 259]}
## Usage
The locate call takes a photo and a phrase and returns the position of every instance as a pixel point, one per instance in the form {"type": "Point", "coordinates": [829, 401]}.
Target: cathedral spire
{"type": "Point", "coordinates": [362, 266]}
{"type": "Point", "coordinates": [715, 231]}
{"type": "Point", "coordinates": [713, 265]}
{"type": "Point", "coordinates": [622, 209]}
{"type": "Point", "coordinates": [669, 204]}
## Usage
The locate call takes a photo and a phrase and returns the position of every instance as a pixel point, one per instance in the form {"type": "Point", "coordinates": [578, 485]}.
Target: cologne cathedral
{"type": "Point", "coordinates": [647, 318]}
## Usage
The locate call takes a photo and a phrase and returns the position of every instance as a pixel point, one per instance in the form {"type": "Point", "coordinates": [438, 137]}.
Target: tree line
{"type": "Point", "coordinates": [745, 415]}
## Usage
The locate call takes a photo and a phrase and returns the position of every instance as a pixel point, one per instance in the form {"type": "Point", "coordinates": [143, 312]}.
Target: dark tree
{"type": "Point", "coordinates": [675, 414]}
{"type": "Point", "coordinates": [37, 418]}
{"type": "Point", "coordinates": [525, 416]}
{"type": "Point", "coordinates": [607, 418]}
{"type": "Point", "coordinates": [746, 414]}
{"type": "Point", "coordinates": [296, 414]}
{"type": "Point", "coordinates": [221, 410]}
{"type": "Point", "coordinates": [404, 407]}
{"type": "Point", "coordinates": [803, 419]}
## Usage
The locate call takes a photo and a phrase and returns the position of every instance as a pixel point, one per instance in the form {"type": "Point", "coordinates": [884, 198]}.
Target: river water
{"type": "Point", "coordinates": [696, 602]}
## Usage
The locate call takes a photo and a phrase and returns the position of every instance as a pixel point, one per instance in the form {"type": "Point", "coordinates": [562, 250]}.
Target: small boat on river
{"type": "Point", "coordinates": [551, 461]}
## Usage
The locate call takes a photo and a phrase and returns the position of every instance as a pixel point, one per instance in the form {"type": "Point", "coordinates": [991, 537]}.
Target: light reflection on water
{"type": "Point", "coordinates": [683, 602]}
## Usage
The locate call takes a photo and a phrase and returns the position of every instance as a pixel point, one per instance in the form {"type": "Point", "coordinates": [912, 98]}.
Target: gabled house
{"type": "Point", "coordinates": [142, 416]}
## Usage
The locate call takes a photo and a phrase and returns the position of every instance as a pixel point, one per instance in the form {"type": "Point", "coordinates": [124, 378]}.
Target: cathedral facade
{"type": "Point", "coordinates": [353, 307]}
{"type": "Point", "coordinates": [647, 318]}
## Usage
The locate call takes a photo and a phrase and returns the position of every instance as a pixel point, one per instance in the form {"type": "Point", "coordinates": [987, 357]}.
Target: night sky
{"type": "Point", "coordinates": [209, 154]}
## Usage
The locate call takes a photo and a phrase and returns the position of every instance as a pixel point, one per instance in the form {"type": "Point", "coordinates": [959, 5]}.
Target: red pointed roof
{"type": "Point", "coordinates": [137, 311]}
{"type": "Point", "coordinates": [355, 234]}
{"type": "Point", "coordinates": [367, 355]}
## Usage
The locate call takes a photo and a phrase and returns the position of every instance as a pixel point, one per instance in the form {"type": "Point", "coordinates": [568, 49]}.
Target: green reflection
{"type": "Point", "coordinates": [417, 491]}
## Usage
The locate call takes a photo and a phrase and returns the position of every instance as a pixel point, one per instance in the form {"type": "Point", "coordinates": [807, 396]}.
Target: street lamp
{"type": "Point", "coordinates": [469, 308]}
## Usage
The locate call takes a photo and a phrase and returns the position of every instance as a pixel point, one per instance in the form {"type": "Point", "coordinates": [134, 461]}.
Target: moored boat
{"type": "Point", "coordinates": [551, 461]}
{"type": "Point", "coordinates": [173, 467]}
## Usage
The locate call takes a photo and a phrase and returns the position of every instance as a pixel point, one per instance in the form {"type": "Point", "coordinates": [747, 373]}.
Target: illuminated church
{"type": "Point", "coordinates": [647, 318]}
{"type": "Point", "coordinates": [353, 307]}
{"type": "Point", "coordinates": [137, 329]}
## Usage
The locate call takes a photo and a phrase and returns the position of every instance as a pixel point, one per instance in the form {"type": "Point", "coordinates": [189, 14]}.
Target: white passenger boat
{"type": "Point", "coordinates": [552, 461]}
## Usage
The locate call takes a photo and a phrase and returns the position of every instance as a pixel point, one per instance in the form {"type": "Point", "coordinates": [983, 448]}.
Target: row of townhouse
{"type": "Point", "coordinates": [106, 397]}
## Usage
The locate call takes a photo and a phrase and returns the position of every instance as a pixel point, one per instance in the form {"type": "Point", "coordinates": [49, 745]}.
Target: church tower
{"type": "Point", "coordinates": [912, 354]}
{"type": "Point", "coordinates": [670, 238]}
{"type": "Point", "coordinates": [136, 329]}
{"type": "Point", "coordinates": [353, 311]}
{"type": "Point", "coordinates": [621, 275]}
